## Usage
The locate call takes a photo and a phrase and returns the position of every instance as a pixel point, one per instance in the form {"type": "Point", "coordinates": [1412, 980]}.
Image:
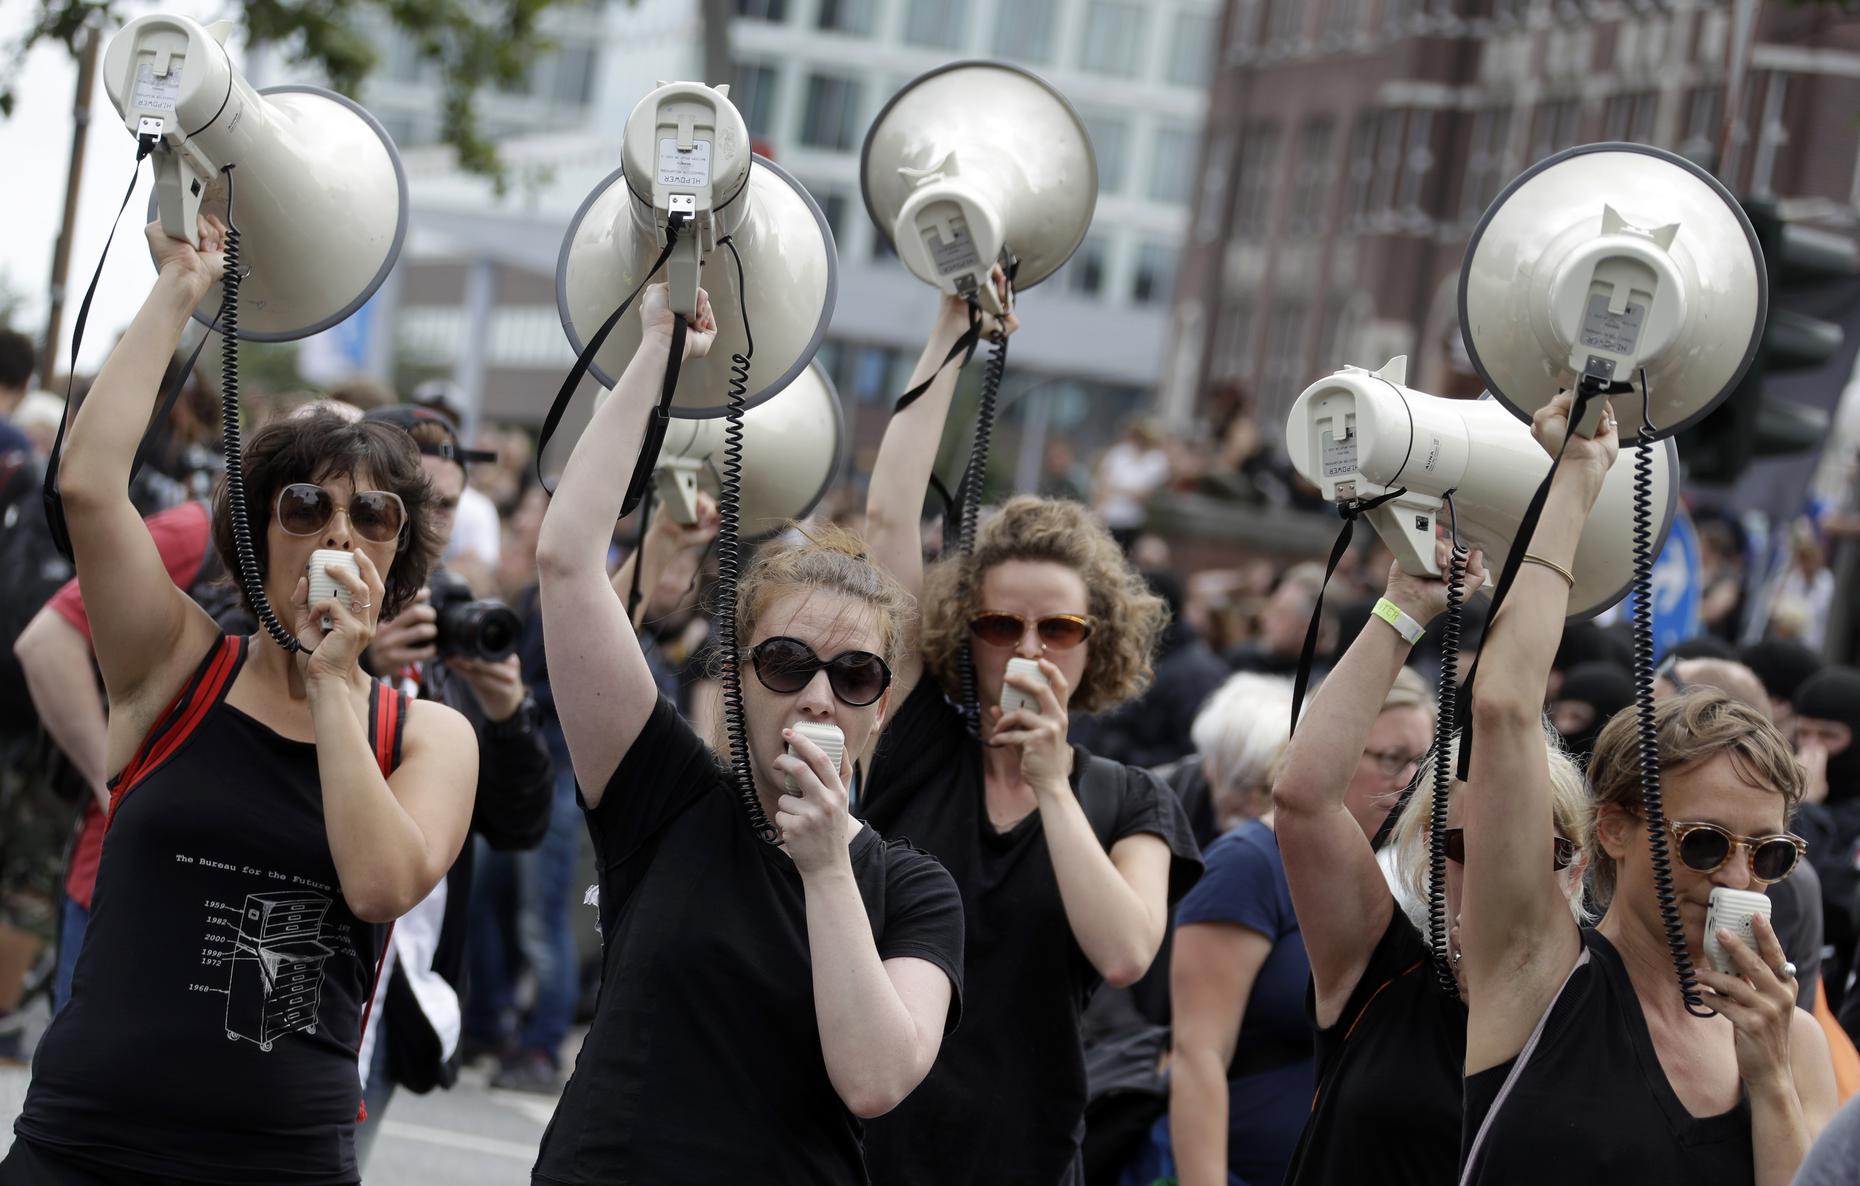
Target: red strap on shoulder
{"type": "Point", "coordinates": [178, 721]}
{"type": "Point", "coordinates": [386, 705]}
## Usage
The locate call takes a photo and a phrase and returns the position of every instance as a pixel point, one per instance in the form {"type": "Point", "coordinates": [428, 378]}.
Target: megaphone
{"type": "Point", "coordinates": [1611, 263]}
{"type": "Point", "coordinates": [792, 448]}
{"type": "Point", "coordinates": [1359, 435]}
{"type": "Point", "coordinates": [321, 200]}
{"type": "Point", "coordinates": [686, 159]}
{"type": "Point", "coordinates": [976, 163]}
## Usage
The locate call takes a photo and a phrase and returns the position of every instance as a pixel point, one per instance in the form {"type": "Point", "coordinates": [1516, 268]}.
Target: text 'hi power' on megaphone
{"type": "Point", "coordinates": [976, 163]}
{"type": "Point", "coordinates": [685, 152]}
{"type": "Point", "coordinates": [1607, 261]}
{"type": "Point", "coordinates": [1358, 435]}
{"type": "Point", "coordinates": [792, 447]}
{"type": "Point", "coordinates": [321, 200]}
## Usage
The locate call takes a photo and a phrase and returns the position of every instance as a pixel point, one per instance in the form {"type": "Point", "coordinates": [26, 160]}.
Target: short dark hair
{"type": "Point", "coordinates": [17, 358]}
{"type": "Point", "coordinates": [323, 445]}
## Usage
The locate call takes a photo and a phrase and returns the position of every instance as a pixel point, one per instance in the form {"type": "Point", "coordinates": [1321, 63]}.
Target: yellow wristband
{"type": "Point", "coordinates": [1410, 630]}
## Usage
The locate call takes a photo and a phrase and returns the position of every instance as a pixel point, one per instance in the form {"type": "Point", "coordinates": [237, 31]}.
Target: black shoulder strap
{"type": "Point", "coordinates": [1101, 792]}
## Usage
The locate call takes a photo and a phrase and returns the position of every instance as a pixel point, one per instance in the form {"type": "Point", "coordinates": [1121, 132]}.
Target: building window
{"type": "Point", "coordinates": [1704, 122]}
{"type": "Point", "coordinates": [1113, 38]}
{"type": "Point", "coordinates": [1285, 356]}
{"type": "Point", "coordinates": [1110, 144]}
{"type": "Point", "coordinates": [754, 96]}
{"type": "Point", "coordinates": [831, 118]}
{"type": "Point", "coordinates": [1388, 164]}
{"type": "Point", "coordinates": [1191, 50]}
{"type": "Point", "coordinates": [1285, 24]}
{"type": "Point", "coordinates": [1556, 127]}
{"type": "Point", "coordinates": [1486, 166]}
{"type": "Point", "coordinates": [833, 206]}
{"type": "Point", "coordinates": [1242, 28]}
{"type": "Point", "coordinates": [1397, 16]}
{"type": "Point", "coordinates": [1257, 181]}
{"type": "Point", "coordinates": [763, 10]}
{"type": "Point", "coordinates": [1335, 333]}
{"type": "Point", "coordinates": [1417, 162]}
{"type": "Point", "coordinates": [1233, 352]}
{"type": "Point", "coordinates": [1360, 173]}
{"type": "Point", "coordinates": [1310, 211]}
{"type": "Point", "coordinates": [1630, 117]}
{"type": "Point", "coordinates": [1084, 272]}
{"type": "Point", "coordinates": [846, 16]}
{"type": "Point", "coordinates": [1155, 280]}
{"type": "Point", "coordinates": [1343, 22]}
{"type": "Point", "coordinates": [403, 59]}
{"type": "Point", "coordinates": [937, 24]}
{"type": "Point", "coordinates": [572, 80]}
{"type": "Point", "coordinates": [1024, 30]}
{"type": "Point", "coordinates": [1172, 166]}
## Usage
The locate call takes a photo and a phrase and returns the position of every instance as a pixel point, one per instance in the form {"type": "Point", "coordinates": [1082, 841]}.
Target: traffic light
{"type": "Point", "coordinates": [1751, 424]}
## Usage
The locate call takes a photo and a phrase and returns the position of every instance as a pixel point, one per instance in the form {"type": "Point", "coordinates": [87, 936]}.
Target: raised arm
{"type": "Point", "coordinates": [671, 552]}
{"type": "Point", "coordinates": [148, 634]}
{"type": "Point", "coordinates": [603, 690]}
{"type": "Point", "coordinates": [1517, 935]}
{"type": "Point", "coordinates": [1338, 889]}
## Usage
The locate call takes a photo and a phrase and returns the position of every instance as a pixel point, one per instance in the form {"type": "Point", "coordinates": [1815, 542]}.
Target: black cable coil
{"type": "Point", "coordinates": [969, 494]}
{"type": "Point", "coordinates": [1445, 726]}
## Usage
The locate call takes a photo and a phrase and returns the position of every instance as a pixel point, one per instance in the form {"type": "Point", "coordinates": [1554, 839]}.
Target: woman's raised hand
{"type": "Point", "coordinates": [1597, 453]}
{"type": "Point", "coordinates": [1424, 598]}
{"type": "Point", "coordinates": [655, 316]}
{"type": "Point", "coordinates": [205, 265]}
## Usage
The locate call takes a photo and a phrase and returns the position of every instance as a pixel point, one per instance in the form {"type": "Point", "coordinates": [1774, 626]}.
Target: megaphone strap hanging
{"type": "Point", "coordinates": [1307, 656]}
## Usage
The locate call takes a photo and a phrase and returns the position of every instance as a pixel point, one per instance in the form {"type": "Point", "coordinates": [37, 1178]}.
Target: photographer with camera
{"type": "Point", "coordinates": [461, 652]}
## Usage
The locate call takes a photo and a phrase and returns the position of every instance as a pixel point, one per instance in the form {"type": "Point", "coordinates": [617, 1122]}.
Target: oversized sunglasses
{"type": "Point", "coordinates": [305, 508]}
{"type": "Point", "coordinates": [787, 665]}
{"type": "Point", "coordinates": [1704, 848]}
{"type": "Point", "coordinates": [1562, 858]}
{"type": "Point", "coordinates": [1061, 632]}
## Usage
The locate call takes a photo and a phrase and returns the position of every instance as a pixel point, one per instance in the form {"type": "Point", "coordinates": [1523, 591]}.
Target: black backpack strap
{"type": "Point", "coordinates": [1101, 792]}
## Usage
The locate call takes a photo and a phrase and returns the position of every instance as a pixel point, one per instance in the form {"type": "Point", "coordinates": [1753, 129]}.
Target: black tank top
{"type": "Point", "coordinates": [219, 996]}
{"type": "Point", "coordinates": [1586, 1100]}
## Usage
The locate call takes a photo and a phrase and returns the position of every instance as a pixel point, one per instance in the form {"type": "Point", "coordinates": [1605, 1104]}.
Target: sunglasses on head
{"type": "Point", "coordinates": [305, 508]}
{"type": "Point", "coordinates": [1704, 848]}
{"type": "Point", "coordinates": [1061, 632]}
{"type": "Point", "coordinates": [1562, 858]}
{"type": "Point", "coordinates": [787, 665]}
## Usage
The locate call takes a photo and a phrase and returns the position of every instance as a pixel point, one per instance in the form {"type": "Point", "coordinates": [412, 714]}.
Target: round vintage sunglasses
{"type": "Point", "coordinates": [787, 665]}
{"type": "Point", "coordinates": [1061, 632]}
{"type": "Point", "coordinates": [305, 508]}
{"type": "Point", "coordinates": [1704, 848]}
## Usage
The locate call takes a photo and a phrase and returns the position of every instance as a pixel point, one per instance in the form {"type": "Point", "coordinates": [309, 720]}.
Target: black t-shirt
{"type": "Point", "coordinates": [704, 1063]}
{"type": "Point", "coordinates": [1587, 1100]}
{"type": "Point", "coordinates": [1387, 1107]}
{"type": "Point", "coordinates": [1006, 1099]}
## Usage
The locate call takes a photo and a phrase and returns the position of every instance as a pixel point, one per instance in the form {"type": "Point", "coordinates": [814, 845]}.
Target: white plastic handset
{"type": "Point", "coordinates": [1732, 909]}
{"type": "Point", "coordinates": [828, 737]}
{"type": "Point", "coordinates": [1011, 696]}
{"type": "Point", "coordinates": [322, 585]}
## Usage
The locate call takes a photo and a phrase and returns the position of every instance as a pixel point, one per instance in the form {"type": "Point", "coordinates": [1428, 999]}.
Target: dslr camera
{"type": "Point", "coordinates": [473, 629]}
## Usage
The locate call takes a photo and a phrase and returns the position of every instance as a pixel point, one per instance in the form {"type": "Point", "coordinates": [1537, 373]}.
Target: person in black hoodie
{"type": "Point", "coordinates": [1827, 717]}
{"type": "Point", "coordinates": [1154, 728]}
{"type": "Point", "coordinates": [1590, 694]}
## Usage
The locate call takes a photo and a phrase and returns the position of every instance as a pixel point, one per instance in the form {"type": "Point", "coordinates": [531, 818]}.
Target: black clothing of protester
{"type": "Point", "coordinates": [1585, 642]}
{"type": "Point", "coordinates": [1250, 656]}
{"type": "Point", "coordinates": [1587, 1101]}
{"type": "Point", "coordinates": [1796, 914]}
{"type": "Point", "coordinates": [1154, 728]}
{"type": "Point", "coordinates": [217, 1006]}
{"type": "Point", "coordinates": [1781, 664]}
{"type": "Point", "coordinates": [1832, 828]}
{"type": "Point", "coordinates": [1607, 688]}
{"type": "Point", "coordinates": [1006, 1099]}
{"type": "Point", "coordinates": [1388, 1101]}
{"type": "Point", "coordinates": [704, 1062]}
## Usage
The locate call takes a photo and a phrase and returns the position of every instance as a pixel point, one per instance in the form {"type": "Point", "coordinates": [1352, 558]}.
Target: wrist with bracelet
{"type": "Point", "coordinates": [1399, 620]}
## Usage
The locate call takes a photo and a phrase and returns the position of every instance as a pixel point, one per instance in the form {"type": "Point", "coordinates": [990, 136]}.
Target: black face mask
{"type": "Point", "coordinates": [1833, 694]}
{"type": "Point", "coordinates": [1605, 687]}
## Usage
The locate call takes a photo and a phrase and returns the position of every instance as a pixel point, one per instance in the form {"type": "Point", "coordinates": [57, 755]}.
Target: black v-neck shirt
{"type": "Point", "coordinates": [703, 1064]}
{"type": "Point", "coordinates": [1587, 1100]}
{"type": "Point", "coordinates": [1005, 1102]}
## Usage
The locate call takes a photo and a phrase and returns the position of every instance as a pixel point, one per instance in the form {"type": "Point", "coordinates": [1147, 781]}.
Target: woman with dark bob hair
{"type": "Point", "coordinates": [1067, 863]}
{"type": "Point", "coordinates": [270, 811]}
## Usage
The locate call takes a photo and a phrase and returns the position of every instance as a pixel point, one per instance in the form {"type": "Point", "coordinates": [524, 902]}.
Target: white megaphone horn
{"type": "Point", "coordinates": [1358, 435]}
{"type": "Point", "coordinates": [1620, 265]}
{"type": "Point", "coordinates": [978, 163]}
{"type": "Point", "coordinates": [686, 160]}
{"type": "Point", "coordinates": [320, 197]}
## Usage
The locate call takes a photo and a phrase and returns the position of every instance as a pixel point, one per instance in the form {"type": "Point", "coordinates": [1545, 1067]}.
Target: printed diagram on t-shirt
{"type": "Point", "coordinates": [276, 966]}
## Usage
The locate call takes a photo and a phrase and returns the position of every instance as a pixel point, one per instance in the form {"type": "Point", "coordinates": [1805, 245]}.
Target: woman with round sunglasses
{"type": "Point", "coordinates": [760, 997]}
{"type": "Point", "coordinates": [1068, 864]}
{"type": "Point", "coordinates": [1583, 1061]}
{"type": "Point", "coordinates": [270, 809]}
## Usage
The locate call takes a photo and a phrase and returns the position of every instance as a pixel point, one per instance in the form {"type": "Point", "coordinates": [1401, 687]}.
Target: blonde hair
{"type": "Point", "coordinates": [1241, 728]}
{"type": "Point", "coordinates": [1693, 727]}
{"type": "Point", "coordinates": [1411, 690]}
{"type": "Point", "coordinates": [826, 559]}
{"type": "Point", "coordinates": [1569, 809]}
{"type": "Point", "coordinates": [1128, 616]}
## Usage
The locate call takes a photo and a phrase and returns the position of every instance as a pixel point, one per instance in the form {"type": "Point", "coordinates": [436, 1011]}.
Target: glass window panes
{"type": "Point", "coordinates": [1285, 346]}
{"type": "Point", "coordinates": [1233, 357]}
{"type": "Point", "coordinates": [1084, 272]}
{"type": "Point", "coordinates": [1417, 161]}
{"type": "Point", "coordinates": [1257, 181]}
{"type": "Point", "coordinates": [1310, 209]}
{"type": "Point", "coordinates": [1285, 23]}
{"type": "Point", "coordinates": [762, 10]}
{"type": "Point", "coordinates": [1486, 161]}
{"type": "Point", "coordinates": [1110, 144]}
{"type": "Point", "coordinates": [1630, 116]}
{"type": "Point", "coordinates": [846, 16]}
{"type": "Point", "coordinates": [1172, 163]}
{"type": "Point", "coordinates": [573, 81]}
{"type": "Point", "coordinates": [1388, 162]}
{"type": "Point", "coordinates": [1191, 49]}
{"type": "Point", "coordinates": [1242, 26]}
{"type": "Point", "coordinates": [1113, 38]}
{"type": "Point", "coordinates": [1360, 172]}
{"type": "Point", "coordinates": [831, 116]}
{"type": "Point", "coordinates": [1555, 128]}
{"type": "Point", "coordinates": [1343, 22]}
{"type": "Point", "coordinates": [1155, 278]}
{"type": "Point", "coordinates": [938, 24]}
{"type": "Point", "coordinates": [1024, 30]}
{"type": "Point", "coordinates": [754, 96]}
{"type": "Point", "coordinates": [1704, 107]}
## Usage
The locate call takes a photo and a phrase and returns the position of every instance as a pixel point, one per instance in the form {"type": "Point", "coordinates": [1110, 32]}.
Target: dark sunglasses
{"type": "Point", "coordinates": [1061, 632]}
{"type": "Point", "coordinates": [1562, 858]}
{"type": "Point", "coordinates": [787, 665]}
{"type": "Point", "coordinates": [305, 508]}
{"type": "Point", "coordinates": [1704, 848]}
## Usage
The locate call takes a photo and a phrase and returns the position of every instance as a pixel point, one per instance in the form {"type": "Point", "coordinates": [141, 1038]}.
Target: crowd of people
{"type": "Point", "coordinates": [1006, 866]}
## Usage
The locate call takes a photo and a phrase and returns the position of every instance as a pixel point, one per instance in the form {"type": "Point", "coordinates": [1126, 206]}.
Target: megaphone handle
{"type": "Point", "coordinates": [177, 198]}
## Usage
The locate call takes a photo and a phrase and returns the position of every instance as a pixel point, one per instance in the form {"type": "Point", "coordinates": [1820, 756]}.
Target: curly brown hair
{"type": "Point", "coordinates": [1128, 616]}
{"type": "Point", "coordinates": [320, 445]}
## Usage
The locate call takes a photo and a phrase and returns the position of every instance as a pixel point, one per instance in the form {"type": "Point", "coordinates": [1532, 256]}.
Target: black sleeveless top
{"type": "Point", "coordinates": [1586, 1100]}
{"type": "Point", "coordinates": [220, 992]}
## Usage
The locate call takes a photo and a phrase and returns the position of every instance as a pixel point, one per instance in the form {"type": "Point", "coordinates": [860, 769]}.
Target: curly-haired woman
{"type": "Point", "coordinates": [1067, 863]}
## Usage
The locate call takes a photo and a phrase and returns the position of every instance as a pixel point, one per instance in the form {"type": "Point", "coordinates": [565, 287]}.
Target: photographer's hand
{"type": "Point", "coordinates": [498, 686]}
{"type": "Point", "coordinates": [407, 638]}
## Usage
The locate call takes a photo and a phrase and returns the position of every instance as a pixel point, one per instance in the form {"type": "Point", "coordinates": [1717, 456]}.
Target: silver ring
{"type": "Point", "coordinates": [1787, 971]}
{"type": "Point", "coordinates": [361, 606]}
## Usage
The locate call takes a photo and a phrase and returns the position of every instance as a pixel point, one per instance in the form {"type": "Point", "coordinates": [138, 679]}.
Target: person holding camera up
{"type": "Point", "coordinates": [270, 810]}
{"type": "Point", "coordinates": [447, 648]}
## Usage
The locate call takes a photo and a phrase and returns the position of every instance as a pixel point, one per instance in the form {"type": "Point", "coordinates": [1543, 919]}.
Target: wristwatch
{"type": "Point", "coordinates": [1410, 630]}
{"type": "Point", "coordinates": [520, 723]}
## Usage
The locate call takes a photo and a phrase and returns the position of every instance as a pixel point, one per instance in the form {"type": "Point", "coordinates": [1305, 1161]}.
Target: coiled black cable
{"type": "Point", "coordinates": [730, 568]}
{"type": "Point", "coordinates": [969, 495]}
{"type": "Point", "coordinates": [1445, 726]}
{"type": "Point", "coordinates": [247, 555]}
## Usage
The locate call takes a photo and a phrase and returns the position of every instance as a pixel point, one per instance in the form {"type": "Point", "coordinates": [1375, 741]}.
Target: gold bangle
{"type": "Point", "coordinates": [1569, 578]}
